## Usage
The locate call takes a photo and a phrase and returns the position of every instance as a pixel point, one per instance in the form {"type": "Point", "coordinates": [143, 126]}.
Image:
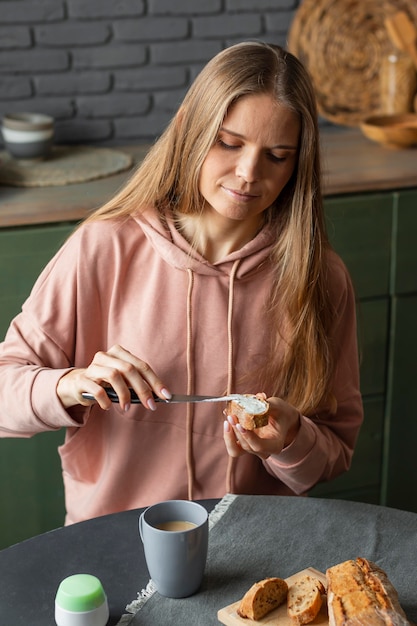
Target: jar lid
{"type": "Point", "coordinates": [80, 592]}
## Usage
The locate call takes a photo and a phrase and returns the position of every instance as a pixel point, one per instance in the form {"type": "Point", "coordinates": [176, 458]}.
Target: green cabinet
{"type": "Point", "coordinates": [24, 251]}
{"type": "Point", "coordinates": [400, 469]}
{"type": "Point", "coordinates": [375, 234]}
{"type": "Point", "coordinates": [31, 490]}
{"type": "Point", "coordinates": [360, 229]}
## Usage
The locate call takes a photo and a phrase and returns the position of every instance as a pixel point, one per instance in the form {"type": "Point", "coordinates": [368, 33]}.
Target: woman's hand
{"type": "Point", "coordinates": [118, 368]}
{"type": "Point", "coordinates": [282, 428]}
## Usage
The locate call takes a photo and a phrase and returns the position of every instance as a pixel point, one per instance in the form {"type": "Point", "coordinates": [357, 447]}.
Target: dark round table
{"type": "Point", "coordinates": [251, 537]}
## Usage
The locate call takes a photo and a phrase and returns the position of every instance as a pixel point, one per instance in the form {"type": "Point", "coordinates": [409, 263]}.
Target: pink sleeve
{"type": "Point", "coordinates": [37, 350]}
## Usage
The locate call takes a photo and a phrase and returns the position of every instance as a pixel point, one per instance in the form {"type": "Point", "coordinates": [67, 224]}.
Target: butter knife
{"type": "Point", "coordinates": [175, 398]}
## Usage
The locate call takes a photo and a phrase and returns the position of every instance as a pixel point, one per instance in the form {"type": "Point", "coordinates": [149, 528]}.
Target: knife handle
{"type": "Point", "coordinates": [114, 397]}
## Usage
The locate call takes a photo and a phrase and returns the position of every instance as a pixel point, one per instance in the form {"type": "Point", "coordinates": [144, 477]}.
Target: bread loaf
{"type": "Point", "coordinates": [359, 593]}
{"type": "Point", "coordinates": [304, 599]}
{"type": "Point", "coordinates": [262, 598]}
{"type": "Point", "coordinates": [250, 409]}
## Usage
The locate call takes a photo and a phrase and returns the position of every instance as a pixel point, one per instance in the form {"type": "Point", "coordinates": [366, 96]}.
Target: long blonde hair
{"type": "Point", "coordinates": [169, 177]}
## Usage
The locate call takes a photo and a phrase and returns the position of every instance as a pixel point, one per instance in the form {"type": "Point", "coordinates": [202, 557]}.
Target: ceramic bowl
{"type": "Point", "coordinates": [392, 130]}
{"type": "Point", "coordinates": [28, 135]}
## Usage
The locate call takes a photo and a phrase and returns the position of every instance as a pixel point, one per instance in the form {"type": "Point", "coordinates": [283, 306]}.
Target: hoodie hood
{"type": "Point", "coordinates": [175, 249]}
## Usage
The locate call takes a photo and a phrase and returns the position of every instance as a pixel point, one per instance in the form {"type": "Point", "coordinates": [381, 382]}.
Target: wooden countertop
{"type": "Point", "coordinates": [351, 164]}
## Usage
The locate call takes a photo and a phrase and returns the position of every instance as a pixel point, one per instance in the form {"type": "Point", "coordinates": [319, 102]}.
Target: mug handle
{"type": "Point", "coordinates": [141, 525]}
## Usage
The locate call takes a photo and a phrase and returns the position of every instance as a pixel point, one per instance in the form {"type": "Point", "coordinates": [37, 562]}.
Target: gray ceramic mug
{"type": "Point", "coordinates": [175, 540]}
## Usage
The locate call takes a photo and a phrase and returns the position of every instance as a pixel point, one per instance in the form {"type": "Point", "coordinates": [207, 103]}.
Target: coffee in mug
{"type": "Point", "coordinates": [175, 540]}
{"type": "Point", "coordinates": [176, 525]}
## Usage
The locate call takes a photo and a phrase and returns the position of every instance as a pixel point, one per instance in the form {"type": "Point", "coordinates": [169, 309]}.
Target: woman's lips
{"type": "Point", "coordinates": [242, 196]}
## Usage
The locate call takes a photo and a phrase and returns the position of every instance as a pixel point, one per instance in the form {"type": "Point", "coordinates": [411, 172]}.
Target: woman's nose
{"type": "Point", "coordinates": [248, 167]}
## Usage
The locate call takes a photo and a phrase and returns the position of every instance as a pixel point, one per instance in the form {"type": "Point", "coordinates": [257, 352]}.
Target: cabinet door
{"type": "Point", "coordinates": [363, 481]}
{"type": "Point", "coordinates": [24, 252]}
{"type": "Point", "coordinates": [360, 229]}
{"type": "Point", "coordinates": [400, 477]}
{"type": "Point", "coordinates": [31, 489]}
{"type": "Point", "coordinates": [373, 329]}
{"type": "Point", "coordinates": [404, 272]}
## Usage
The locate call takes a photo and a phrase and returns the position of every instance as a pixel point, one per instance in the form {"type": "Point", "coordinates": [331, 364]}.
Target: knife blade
{"type": "Point", "coordinates": [176, 398]}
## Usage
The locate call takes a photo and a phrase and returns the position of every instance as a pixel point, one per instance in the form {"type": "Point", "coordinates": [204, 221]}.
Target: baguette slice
{"type": "Point", "coordinates": [250, 409]}
{"type": "Point", "coordinates": [262, 598]}
{"type": "Point", "coordinates": [360, 593]}
{"type": "Point", "coordinates": [304, 599]}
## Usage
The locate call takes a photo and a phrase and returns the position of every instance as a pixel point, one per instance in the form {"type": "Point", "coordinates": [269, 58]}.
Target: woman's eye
{"type": "Point", "coordinates": [269, 155]}
{"type": "Point", "coordinates": [275, 158]}
{"type": "Point", "coordinates": [226, 146]}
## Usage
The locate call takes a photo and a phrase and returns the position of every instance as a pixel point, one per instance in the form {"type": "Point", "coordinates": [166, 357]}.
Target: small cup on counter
{"type": "Point", "coordinates": [28, 135]}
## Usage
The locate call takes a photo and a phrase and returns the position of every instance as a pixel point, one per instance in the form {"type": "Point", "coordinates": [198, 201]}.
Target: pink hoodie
{"type": "Point", "coordinates": [136, 283]}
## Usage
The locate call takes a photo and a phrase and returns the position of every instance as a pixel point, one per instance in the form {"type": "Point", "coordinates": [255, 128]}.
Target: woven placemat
{"type": "Point", "coordinates": [342, 44]}
{"type": "Point", "coordinates": [65, 165]}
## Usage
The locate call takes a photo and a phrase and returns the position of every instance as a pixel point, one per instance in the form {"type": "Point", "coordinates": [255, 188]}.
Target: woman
{"type": "Point", "coordinates": [209, 273]}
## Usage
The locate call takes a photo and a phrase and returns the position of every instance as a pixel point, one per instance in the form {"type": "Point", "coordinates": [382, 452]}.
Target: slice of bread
{"type": "Point", "coordinates": [250, 409]}
{"type": "Point", "coordinates": [262, 598]}
{"type": "Point", "coordinates": [304, 599]}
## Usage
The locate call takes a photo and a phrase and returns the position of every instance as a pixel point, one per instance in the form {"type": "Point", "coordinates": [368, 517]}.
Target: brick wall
{"type": "Point", "coordinates": [114, 71]}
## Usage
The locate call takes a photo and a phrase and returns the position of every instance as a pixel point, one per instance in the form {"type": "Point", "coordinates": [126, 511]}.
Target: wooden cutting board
{"type": "Point", "coordinates": [279, 616]}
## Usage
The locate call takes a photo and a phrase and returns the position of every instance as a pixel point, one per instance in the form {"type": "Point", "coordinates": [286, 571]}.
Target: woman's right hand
{"type": "Point", "coordinates": [118, 368]}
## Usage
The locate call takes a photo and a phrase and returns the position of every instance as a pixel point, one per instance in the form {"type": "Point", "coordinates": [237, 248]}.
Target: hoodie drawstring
{"type": "Point", "coordinates": [190, 389]}
{"type": "Point", "coordinates": [190, 377]}
{"type": "Point", "coordinates": [231, 461]}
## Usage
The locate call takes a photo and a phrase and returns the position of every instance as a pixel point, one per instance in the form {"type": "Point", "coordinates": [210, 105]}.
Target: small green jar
{"type": "Point", "coordinates": [81, 601]}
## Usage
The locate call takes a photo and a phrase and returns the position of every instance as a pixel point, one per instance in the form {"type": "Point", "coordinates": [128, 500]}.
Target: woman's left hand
{"type": "Point", "coordinates": [282, 428]}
